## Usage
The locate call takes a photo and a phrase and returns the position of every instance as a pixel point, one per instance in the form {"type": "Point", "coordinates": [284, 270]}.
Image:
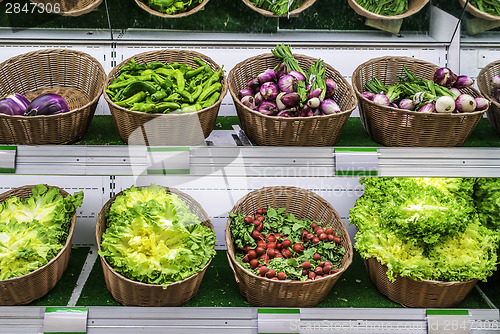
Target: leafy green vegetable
{"type": "Point", "coordinates": [385, 7]}
{"type": "Point", "coordinates": [487, 200]}
{"type": "Point", "coordinates": [34, 230]}
{"type": "Point", "coordinates": [424, 228]}
{"type": "Point", "coordinates": [153, 237]}
{"type": "Point", "coordinates": [278, 7]}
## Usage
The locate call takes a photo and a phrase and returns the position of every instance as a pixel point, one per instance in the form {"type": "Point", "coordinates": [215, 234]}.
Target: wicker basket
{"type": "Point", "coordinates": [74, 75]}
{"type": "Point", "coordinates": [157, 13]}
{"type": "Point", "coordinates": [294, 13]}
{"type": "Point", "coordinates": [24, 289]}
{"type": "Point", "coordinates": [484, 84]}
{"type": "Point", "coordinates": [132, 293]}
{"type": "Point", "coordinates": [260, 291]}
{"type": "Point", "coordinates": [70, 7]}
{"type": "Point", "coordinates": [294, 131]}
{"type": "Point", "coordinates": [136, 127]}
{"type": "Point", "coordinates": [414, 293]}
{"type": "Point", "coordinates": [478, 13]}
{"type": "Point", "coordinates": [414, 6]}
{"type": "Point", "coordinates": [397, 127]}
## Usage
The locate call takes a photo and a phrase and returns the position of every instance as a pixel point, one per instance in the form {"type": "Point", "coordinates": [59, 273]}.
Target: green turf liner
{"type": "Point", "coordinates": [60, 294]}
{"type": "Point", "coordinates": [219, 289]}
{"type": "Point", "coordinates": [102, 131]}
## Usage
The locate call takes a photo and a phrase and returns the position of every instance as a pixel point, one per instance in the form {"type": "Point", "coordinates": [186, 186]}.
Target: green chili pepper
{"type": "Point", "coordinates": [155, 65]}
{"type": "Point", "coordinates": [144, 107]}
{"type": "Point", "coordinates": [193, 73]}
{"type": "Point", "coordinates": [165, 71]}
{"type": "Point", "coordinates": [172, 98]}
{"type": "Point", "coordinates": [215, 77]}
{"type": "Point", "coordinates": [167, 83]}
{"type": "Point", "coordinates": [211, 101]}
{"type": "Point", "coordinates": [209, 91]}
{"type": "Point", "coordinates": [148, 72]}
{"type": "Point", "coordinates": [207, 67]}
{"type": "Point", "coordinates": [138, 97]}
{"type": "Point", "coordinates": [138, 77]}
{"type": "Point", "coordinates": [197, 92]}
{"type": "Point", "coordinates": [163, 106]}
{"type": "Point", "coordinates": [187, 97]}
{"type": "Point", "coordinates": [121, 84]}
{"type": "Point", "coordinates": [179, 78]}
{"type": "Point", "coordinates": [159, 95]}
{"type": "Point", "coordinates": [110, 93]}
{"type": "Point", "coordinates": [138, 86]}
{"type": "Point", "coordinates": [191, 108]}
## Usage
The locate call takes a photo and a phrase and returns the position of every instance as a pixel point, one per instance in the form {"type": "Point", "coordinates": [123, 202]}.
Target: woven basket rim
{"type": "Point", "coordinates": [109, 79]}
{"type": "Point", "coordinates": [157, 13]}
{"type": "Point", "coordinates": [80, 11]}
{"type": "Point", "coordinates": [481, 76]}
{"type": "Point", "coordinates": [404, 111]}
{"type": "Point", "coordinates": [298, 118]}
{"type": "Point", "coordinates": [366, 13]}
{"type": "Point", "coordinates": [149, 285]}
{"type": "Point", "coordinates": [45, 51]}
{"type": "Point", "coordinates": [306, 4]}
{"type": "Point", "coordinates": [67, 243]}
{"type": "Point", "coordinates": [231, 254]}
{"type": "Point", "coordinates": [473, 10]}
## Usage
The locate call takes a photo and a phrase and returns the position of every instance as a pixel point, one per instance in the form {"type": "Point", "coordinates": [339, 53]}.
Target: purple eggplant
{"type": "Point", "coordinates": [244, 92]}
{"type": "Point", "coordinates": [445, 77]}
{"type": "Point", "coordinates": [248, 101]}
{"type": "Point", "coordinates": [329, 106]}
{"type": "Point", "coordinates": [288, 83]}
{"type": "Point", "coordinates": [427, 108]}
{"type": "Point", "coordinates": [267, 76]}
{"type": "Point", "coordinates": [298, 75]}
{"type": "Point", "coordinates": [368, 95]}
{"type": "Point", "coordinates": [331, 87]}
{"type": "Point", "coordinates": [406, 104]}
{"type": "Point", "coordinates": [14, 104]}
{"type": "Point", "coordinates": [253, 84]}
{"type": "Point", "coordinates": [463, 81]}
{"type": "Point", "coordinates": [268, 108]}
{"type": "Point", "coordinates": [269, 90]}
{"type": "Point", "coordinates": [47, 104]}
{"type": "Point", "coordinates": [482, 103]}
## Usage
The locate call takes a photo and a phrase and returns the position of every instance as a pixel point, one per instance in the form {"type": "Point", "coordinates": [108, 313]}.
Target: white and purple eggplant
{"type": "Point", "coordinates": [381, 99]}
{"type": "Point", "coordinates": [329, 107]}
{"type": "Point", "coordinates": [445, 104]}
{"type": "Point", "coordinates": [267, 76]}
{"type": "Point", "coordinates": [445, 77]}
{"type": "Point", "coordinates": [14, 105]}
{"type": "Point", "coordinates": [331, 87]}
{"type": "Point", "coordinates": [248, 101]}
{"type": "Point", "coordinates": [482, 103]}
{"type": "Point", "coordinates": [253, 84]}
{"type": "Point", "coordinates": [314, 102]}
{"type": "Point", "coordinates": [299, 76]}
{"type": "Point", "coordinates": [463, 81]}
{"type": "Point", "coordinates": [268, 108]}
{"type": "Point", "coordinates": [47, 104]}
{"type": "Point", "coordinates": [269, 90]}
{"type": "Point", "coordinates": [427, 108]}
{"type": "Point", "coordinates": [406, 104]}
{"type": "Point", "coordinates": [288, 83]}
{"type": "Point", "coordinates": [245, 92]}
{"type": "Point", "coordinates": [368, 95]}
{"type": "Point", "coordinates": [465, 103]}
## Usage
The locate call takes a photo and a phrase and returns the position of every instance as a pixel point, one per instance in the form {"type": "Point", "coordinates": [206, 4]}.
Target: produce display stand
{"type": "Point", "coordinates": [228, 166]}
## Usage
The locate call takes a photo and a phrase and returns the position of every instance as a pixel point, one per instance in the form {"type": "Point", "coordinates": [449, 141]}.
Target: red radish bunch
{"type": "Point", "coordinates": [261, 255]}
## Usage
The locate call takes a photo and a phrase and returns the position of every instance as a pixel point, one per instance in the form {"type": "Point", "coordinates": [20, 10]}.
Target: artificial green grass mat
{"type": "Point", "coordinates": [219, 289]}
{"type": "Point", "coordinates": [102, 131]}
{"type": "Point", "coordinates": [60, 294]}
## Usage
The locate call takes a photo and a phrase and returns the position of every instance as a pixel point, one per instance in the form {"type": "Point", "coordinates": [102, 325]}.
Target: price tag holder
{"type": "Point", "coordinates": [356, 161]}
{"type": "Point", "coordinates": [448, 322]}
{"type": "Point", "coordinates": [168, 160]}
{"type": "Point", "coordinates": [69, 320]}
{"type": "Point", "coordinates": [8, 159]}
{"type": "Point", "coordinates": [278, 320]}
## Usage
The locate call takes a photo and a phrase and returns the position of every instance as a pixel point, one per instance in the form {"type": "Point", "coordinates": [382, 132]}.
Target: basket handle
{"type": "Point", "coordinates": [232, 268]}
